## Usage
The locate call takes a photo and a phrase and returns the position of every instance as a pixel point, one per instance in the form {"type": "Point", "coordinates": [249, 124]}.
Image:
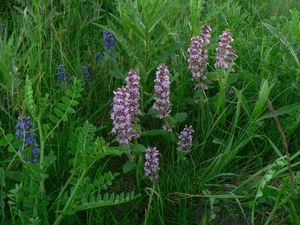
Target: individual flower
{"type": "Point", "coordinates": [26, 133]}
{"type": "Point", "coordinates": [86, 73]}
{"type": "Point", "coordinates": [167, 127]}
{"type": "Point", "coordinates": [151, 166]}
{"type": "Point", "coordinates": [162, 92]}
{"type": "Point", "coordinates": [133, 87]}
{"type": "Point", "coordinates": [198, 56]}
{"type": "Point", "coordinates": [109, 41]}
{"type": "Point", "coordinates": [185, 141]}
{"type": "Point", "coordinates": [225, 53]}
{"type": "Point", "coordinates": [120, 115]}
{"type": "Point", "coordinates": [61, 73]}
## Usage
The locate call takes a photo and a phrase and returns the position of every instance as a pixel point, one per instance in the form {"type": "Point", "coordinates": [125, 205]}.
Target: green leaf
{"type": "Point", "coordinates": [180, 117]}
{"type": "Point", "coordinates": [71, 110]}
{"type": "Point", "coordinates": [6, 140]}
{"type": "Point", "coordinates": [58, 112]}
{"type": "Point", "coordinates": [66, 100]}
{"type": "Point", "coordinates": [138, 148]}
{"type": "Point", "coordinates": [128, 166]}
{"type": "Point", "coordinates": [157, 132]}
{"type": "Point", "coordinates": [282, 111]}
{"type": "Point", "coordinates": [261, 103]}
{"type": "Point", "coordinates": [62, 106]}
{"type": "Point", "coordinates": [54, 119]}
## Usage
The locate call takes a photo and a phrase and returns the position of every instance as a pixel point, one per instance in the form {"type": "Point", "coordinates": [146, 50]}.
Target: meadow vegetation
{"type": "Point", "coordinates": [124, 112]}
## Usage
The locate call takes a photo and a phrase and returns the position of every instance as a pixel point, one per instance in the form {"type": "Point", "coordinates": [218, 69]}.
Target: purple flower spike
{"type": "Point", "coordinates": [198, 56]}
{"type": "Point", "coordinates": [225, 53]}
{"type": "Point", "coordinates": [206, 34]}
{"type": "Point", "coordinates": [162, 90]}
{"type": "Point", "coordinates": [185, 141]}
{"type": "Point", "coordinates": [133, 87]}
{"type": "Point", "coordinates": [121, 116]}
{"type": "Point", "coordinates": [151, 166]}
{"type": "Point", "coordinates": [26, 133]}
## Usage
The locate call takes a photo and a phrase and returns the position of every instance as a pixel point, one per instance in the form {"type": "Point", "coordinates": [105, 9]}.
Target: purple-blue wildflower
{"type": "Point", "coordinates": [206, 34]}
{"type": "Point", "coordinates": [109, 41]}
{"type": "Point", "coordinates": [121, 117]}
{"type": "Point", "coordinates": [162, 92]}
{"type": "Point", "coordinates": [185, 142]}
{"type": "Point", "coordinates": [225, 53]}
{"type": "Point", "coordinates": [26, 133]}
{"type": "Point", "coordinates": [133, 87]}
{"type": "Point", "coordinates": [61, 73]}
{"type": "Point", "coordinates": [198, 57]}
{"type": "Point", "coordinates": [151, 166]}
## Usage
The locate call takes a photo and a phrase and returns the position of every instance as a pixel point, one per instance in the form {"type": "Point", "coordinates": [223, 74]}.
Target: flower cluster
{"type": "Point", "coordinates": [225, 53]}
{"type": "Point", "coordinates": [109, 41]}
{"type": "Point", "coordinates": [86, 73]}
{"type": "Point", "coordinates": [122, 125]}
{"type": "Point", "coordinates": [26, 133]}
{"type": "Point", "coordinates": [198, 56]}
{"type": "Point", "coordinates": [185, 141]}
{"type": "Point", "coordinates": [162, 90]}
{"type": "Point", "coordinates": [61, 73]}
{"type": "Point", "coordinates": [133, 87]}
{"type": "Point", "coordinates": [151, 166]}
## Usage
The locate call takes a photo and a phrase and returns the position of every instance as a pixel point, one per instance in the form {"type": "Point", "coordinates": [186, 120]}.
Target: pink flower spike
{"type": "Point", "coordinates": [121, 117]}
{"type": "Point", "coordinates": [151, 166]}
{"type": "Point", "coordinates": [198, 56]}
{"type": "Point", "coordinates": [225, 53]}
{"type": "Point", "coordinates": [162, 92]}
{"type": "Point", "coordinates": [185, 142]}
{"type": "Point", "coordinates": [133, 87]}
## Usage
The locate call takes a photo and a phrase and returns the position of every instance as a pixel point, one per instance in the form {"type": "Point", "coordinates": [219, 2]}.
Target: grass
{"type": "Point", "coordinates": [238, 170]}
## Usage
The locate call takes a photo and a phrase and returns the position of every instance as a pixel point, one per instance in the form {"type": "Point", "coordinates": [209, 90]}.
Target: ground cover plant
{"type": "Point", "coordinates": [150, 112]}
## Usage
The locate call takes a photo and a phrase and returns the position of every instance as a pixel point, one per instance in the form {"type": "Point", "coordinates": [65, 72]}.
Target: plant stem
{"type": "Point", "coordinates": [60, 217]}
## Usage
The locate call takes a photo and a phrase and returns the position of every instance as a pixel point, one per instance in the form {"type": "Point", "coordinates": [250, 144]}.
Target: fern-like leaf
{"type": "Point", "coordinates": [83, 138]}
{"type": "Point", "coordinates": [64, 108]}
{"type": "Point", "coordinates": [29, 96]}
{"type": "Point", "coordinates": [104, 181]}
{"type": "Point", "coordinates": [105, 200]}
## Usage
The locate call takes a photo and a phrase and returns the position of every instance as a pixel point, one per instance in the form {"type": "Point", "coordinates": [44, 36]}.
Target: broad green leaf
{"type": "Point", "coordinates": [128, 166]}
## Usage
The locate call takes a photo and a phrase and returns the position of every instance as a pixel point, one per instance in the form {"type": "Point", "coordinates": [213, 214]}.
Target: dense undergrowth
{"type": "Point", "coordinates": [243, 167]}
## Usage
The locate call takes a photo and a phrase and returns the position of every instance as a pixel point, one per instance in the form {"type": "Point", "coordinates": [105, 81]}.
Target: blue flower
{"type": "Point", "coordinates": [109, 41]}
{"type": "Point", "coordinates": [26, 133]}
{"type": "Point", "coordinates": [61, 74]}
{"type": "Point", "coordinates": [86, 73]}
